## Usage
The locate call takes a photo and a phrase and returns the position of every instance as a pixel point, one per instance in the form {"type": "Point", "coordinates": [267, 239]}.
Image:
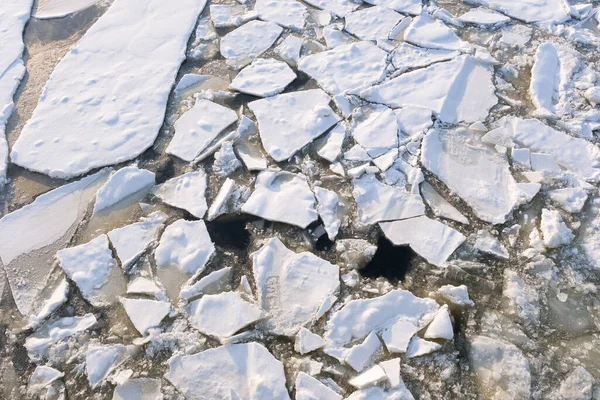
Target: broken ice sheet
{"type": "Point", "coordinates": [283, 197]}
{"type": "Point", "coordinates": [328, 207]}
{"type": "Point", "coordinates": [27, 251]}
{"type": "Point", "coordinates": [249, 41]}
{"type": "Point", "coordinates": [101, 360]}
{"type": "Point", "coordinates": [111, 89]}
{"type": "Point", "coordinates": [483, 16]}
{"type": "Point", "coordinates": [263, 78]}
{"type": "Point", "coordinates": [456, 90]}
{"type": "Point", "coordinates": [440, 206]}
{"type": "Point", "coordinates": [54, 331]}
{"type": "Point", "coordinates": [244, 371]}
{"type": "Point", "coordinates": [283, 277]}
{"type": "Point", "coordinates": [378, 132]}
{"type": "Point", "coordinates": [346, 68]}
{"type": "Point", "coordinates": [372, 23]}
{"type": "Point", "coordinates": [287, 13]}
{"type": "Point", "coordinates": [406, 56]}
{"type": "Point", "coordinates": [426, 31]}
{"type": "Point", "coordinates": [289, 121]}
{"type": "Point", "coordinates": [185, 191]}
{"type": "Point", "coordinates": [337, 7]}
{"type": "Point", "coordinates": [543, 88]}
{"type": "Point", "coordinates": [41, 379]}
{"type": "Point", "coordinates": [308, 388]}
{"type": "Point", "coordinates": [198, 127]}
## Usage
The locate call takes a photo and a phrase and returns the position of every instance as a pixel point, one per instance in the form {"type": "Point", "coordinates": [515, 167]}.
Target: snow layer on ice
{"type": "Point", "coordinates": [111, 89]}
{"type": "Point", "coordinates": [456, 90]}
{"type": "Point", "coordinates": [28, 251]}
{"type": "Point", "coordinates": [359, 356]}
{"type": "Point", "coordinates": [440, 206]}
{"type": "Point", "coordinates": [569, 199]}
{"type": "Point", "coordinates": [283, 197]}
{"type": "Point", "coordinates": [412, 7]}
{"type": "Point", "coordinates": [378, 132]}
{"type": "Point", "coordinates": [543, 88]}
{"type": "Point", "coordinates": [372, 23]}
{"type": "Point", "coordinates": [330, 146]}
{"type": "Point", "coordinates": [441, 326]}
{"type": "Point", "coordinates": [290, 121]}
{"type": "Point", "coordinates": [483, 16]}
{"type": "Point", "coordinates": [198, 127]}
{"type": "Point", "coordinates": [14, 15]}
{"type": "Point", "coordinates": [283, 278]}
{"type": "Point", "coordinates": [89, 265]}
{"type": "Point", "coordinates": [245, 371]}
{"type": "Point", "coordinates": [145, 313]}
{"type": "Point", "coordinates": [528, 10]}
{"type": "Point", "coordinates": [346, 68]}
{"type": "Point", "coordinates": [370, 377]}
{"type": "Point", "coordinates": [406, 56]}
{"type": "Point", "coordinates": [425, 31]}
{"type": "Point", "coordinates": [186, 191]}
{"type": "Point", "coordinates": [131, 241]}
{"type": "Point", "coordinates": [41, 378]}
{"type": "Point", "coordinates": [263, 78]}
{"type": "Point", "coordinates": [123, 183]}
{"type": "Point", "coordinates": [55, 331]}
{"type": "Point", "coordinates": [58, 296]}
{"type": "Point", "coordinates": [309, 388]}
{"type": "Point", "coordinates": [287, 13]}
{"type": "Point", "coordinates": [419, 347]}
{"type": "Point", "coordinates": [487, 243]}
{"type": "Point", "coordinates": [306, 341]}
{"type": "Point", "coordinates": [555, 232]}
{"type": "Point", "coordinates": [377, 201]}
{"type": "Point", "coordinates": [429, 238]}
{"type": "Point", "coordinates": [101, 360]}
{"type": "Point", "coordinates": [457, 295]}
{"type": "Point", "coordinates": [185, 245]}
{"type": "Point", "coordinates": [328, 204]}
{"type": "Point", "coordinates": [249, 41]}
{"type": "Point", "coordinates": [222, 315]}
{"type": "Point", "coordinates": [475, 172]}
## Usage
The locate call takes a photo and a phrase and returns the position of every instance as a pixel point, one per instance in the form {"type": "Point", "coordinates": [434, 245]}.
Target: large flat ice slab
{"type": "Point", "coordinates": [244, 371]}
{"type": "Point", "coordinates": [249, 41]}
{"type": "Point", "coordinates": [105, 101]}
{"type": "Point", "coordinates": [263, 78]}
{"type": "Point", "coordinates": [457, 90]}
{"type": "Point", "coordinates": [475, 172]}
{"type": "Point", "coordinates": [543, 88]}
{"type": "Point", "coordinates": [528, 10]}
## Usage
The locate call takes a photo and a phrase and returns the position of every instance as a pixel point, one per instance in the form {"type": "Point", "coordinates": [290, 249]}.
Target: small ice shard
{"type": "Point", "coordinates": [131, 241]}
{"type": "Point", "coordinates": [292, 276]}
{"type": "Point", "coordinates": [249, 41]}
{"type": "Point", "coordinates": [412, 7]}
{"type": "Point", "coordinates": [543, 87]}
{"type": "Point", "coordinates": [406, 56]}
{"type": "Point", "coordinates": [522, 299]}
{"type": "Point", "coordinates": [397, 337]}
{"type": "Point", "coordinates": [392, 370]}
{"type": "Point", "coordinates": [330, 146]}
{"type": "Point", "coordinates": [111, 89]}
{"type": "Point", "coordinates": [484, 182]}
{"type": "Point", "coordinates": [555, 232]}
{"type": "Point", "coordinates": [441, 326]}
{"type": "Point", "coordinates": [425, 31]}
{"type": "Point", "coordinates": [370, 377]}
{"type": "Point", "coordinates": [123, 183]}
{"type": "Point", "coordinates": [440, 206]}
{"type": "Point", "coordinates": [306, 341]}
{"type": "Point", "coordinates": [487, 243]}
{"type": "Point", "coordinates": [185, 245]}
{"type": "Point", "coordinates": [226, 161]}
{"type": "Point", "coordinates": [228, 200]}
{"type": "Point", "coordinates": [287, 13]}
{"type": "Point", "coordinates": [359, 356]}
{"type": "Point", "coordinates": [138, 389]}
{"type": "Point", "coordinates": [419, 347]}
{"type": "Point", "coordinates": [57, 297]}
{"type": "Point", "coordinates": [41, 379]}
{"type": "Point", "coordinates": [577, 155]}
{"type": "Point", "coordinates": [456, 90]}
{"type": "Point", "coordinates": [264, 77]}
{"type": "Point", "coordinates": [337, 7]}
{"type": "Point", "coordinates": [186, 191]}
{"type": "Point", "coordinates": [346, 68]}
{"type": "Point", "coordinates": [90, 266]}
{"type": "Point", "coordinates": [372, 23]}
{"type": "Point", "coordinates": [283, 197]}
{"type": "Point", "coordinates": [207, 314]}
{"type": "Point", "coordinates": [377, 201]}
{"type": "Point", "coordinates": [244, 371]}
{"type": "Point", "coordinates": [501, 368]}
{"type": "Point", "coordinates": [429, 238]}
{"type": "Point", "coordinates": [358, 318]}
{"type": "Point", "coordinates": [145, 313]}
{"type": "Point", "coordinates": [102, 360]}
{"type": "Point", "coordinates": [213, 283]}
{"type": "Point", "coordinates": [198, 127]}
{"type": "Point", "coordinates": [289, 121]}
{"type": "Point", "coordinates": [328, 204]}
{"type": "Point", "coordinates": [378, 132]}
{"type": "Point", "coordinates": [25, 248]}
{"type": "Point", "coordinates": [309, 388]}
{"type": "Point", "coordinates": [189, 81]}
{"type": "Point", "coordinates": [569, 199]}
{"type": "Point", "coordinates": [457, 295]}
{"type": "Point", "coordinates": [55, 331]}
{"type": "Point", "coordinates": [61, 8]}
{"type": "Point", "coordinates": [355, 253]}
{"type": "Point", "coordinates": [13, 17]}
{"type": "Point", "coordinates": [578, 385]}
{"type": "Point", "coordinates": [528, 10]}
{"type": "Point", "coordinates": [483, 16]}
{"type": "Point", "coordinates": [141, 285]}
{"type": "Point", "coordinates": [289, 50]}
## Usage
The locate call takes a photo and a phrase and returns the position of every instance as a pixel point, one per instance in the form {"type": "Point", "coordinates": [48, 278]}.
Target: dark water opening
{"type": "Point", "coordinates": [391, 262]}
{"type": "Point", "coordinates": [229, 232]}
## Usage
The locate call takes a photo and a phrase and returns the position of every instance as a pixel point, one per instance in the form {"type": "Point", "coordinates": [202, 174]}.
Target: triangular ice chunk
{"type": "Point", "coordinates": [121, 184]}
{"type": "Point", "coordinates": [144, 313]}
{"type": "Point", "coordinates": [186, 191]}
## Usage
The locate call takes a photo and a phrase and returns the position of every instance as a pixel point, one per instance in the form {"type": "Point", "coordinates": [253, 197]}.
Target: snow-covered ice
{"type": "Point", "coordinates": [249, 41]}
{"type": "Point", "coordinates": [61, 8]}
{"type": "Point", "coordinates": [55, 331]}
{"type": "Point", "coordinates": [528, 10]}
{"type": "Point", "coordinates": [440, 206]}
{"type": "Point", "coordinates": [306, 341]}
{"type": "Point", "coordinates": [144, 313]}
{"type": "Point", "coordinates": [263, 78]}
{"type": "Point", "coordinates": [308, 388]}
{"type": "Point", "coordinates": [483, 16]}
{"type": "Point", "coordinates": [186, 191]}
{"type": "Point", "coordinates": [372, 23]}
{"type": "Point", "coordinates": [426, 31]}
{"type": "Point", "coordinates": [123, 183]}
{"type": "Point", "coordinates": [544, 79]}
{"type": "Point", "coordinates": [406, 56]}
{"type": "Point", "coordinates": [412, 7]}
{"type": "Point", "coordinates": [287, 13]}
{"type": "Point", "coordinates": [101, 360]}
{"type": "Point", "coordinates": [328, 205]}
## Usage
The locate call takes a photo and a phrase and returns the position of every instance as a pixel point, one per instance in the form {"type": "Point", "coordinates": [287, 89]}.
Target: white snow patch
{"type": "Point", "coordinates": [306, 341]}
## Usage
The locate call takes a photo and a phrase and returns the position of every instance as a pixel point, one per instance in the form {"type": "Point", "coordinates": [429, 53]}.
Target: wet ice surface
{"type": "Point", "coordinates": [325, 199]}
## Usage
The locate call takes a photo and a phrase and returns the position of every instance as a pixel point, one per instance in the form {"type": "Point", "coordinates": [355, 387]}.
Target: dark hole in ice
{"type": "Point", "coordinates": [323, 243]}
{"type": "Point", "coordinates": [391, 262]}
{"type": "Point", "coordinates": [229, 233]}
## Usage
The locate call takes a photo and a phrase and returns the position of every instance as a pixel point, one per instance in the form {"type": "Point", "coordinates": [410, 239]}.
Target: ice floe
{"type": "Point", "coordinates": [42, 379]}
{"type": "Point", "coordinates": [289, 121]}
{"type": "Point", "coordinates": [246, 371]}
{"type": "Point", "coordinates": [412, 7]}
{"type": "Point", "coordinates": [111, 89]}
{"type": "Point", "coordinates": [528, 10]}
{"type": "Point", "coordinates": [284, 197]}
{"type": "Point", "coordinates": [337, 7]}
{"type": "Point", "coordinates": [406, 56]}
{"type": "Point", "coordinates": [101, 360]}
{"type": "Point", "coordinates": [426, 31]}
{"type": "Point", "coordinates": [543, 88]}
{"type": "Point", "coordinates": [144, 313]}
{"type": "Point", "coordinates": [283, 277]}
{"type": "Point", "coordinates": [308, 388]}
{"type": "Point", "coordinates": [249, 41]}
{"type": "Point", "coordinates": [372, 23]}
{"type": "Point", "coordinates": [55, 331]}
{"type": "Point", "coordinates": [287, 13]}
{"type": "Point", "coordinates": [263, 78]}
{"type": "Point", "coordinates": [440, 206]}
{"type": "Point", "coordinates": [483, 16]}
{"type": "Point", "coordinates": [419, 347]}
{"type": "Point", "coordinates": [306, 341]}
{"type": "Point", "coordinates": [186, 191]}
{"type": "Point", "coordinates": [554, 231]}
{"type": "Point", "coordinates": [328, 205]}
{"type": "Point", "coordinates": [138, 389]}
{"type": "Point", "coordinates": [378, 133]}
{"type": "Point", "coordinates": [441, 326]}
{"type": "Point", "coordinates": [123, 183]}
